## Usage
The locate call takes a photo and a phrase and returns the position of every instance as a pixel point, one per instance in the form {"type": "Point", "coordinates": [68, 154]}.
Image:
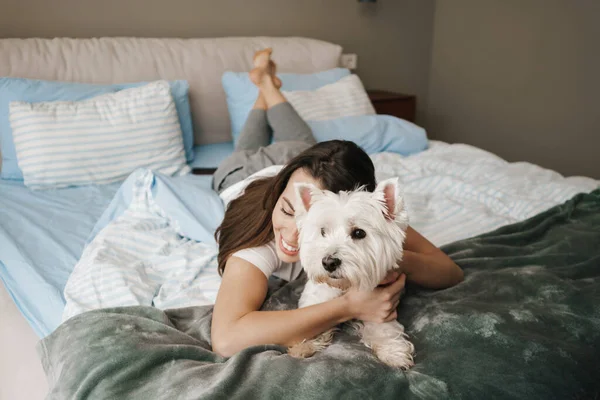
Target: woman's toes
{"type": "Point", "coordinates": [262, 57]}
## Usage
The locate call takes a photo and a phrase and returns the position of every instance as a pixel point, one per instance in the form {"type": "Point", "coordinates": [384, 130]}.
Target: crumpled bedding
{"type": "Point", "coordinates": [524, 324]}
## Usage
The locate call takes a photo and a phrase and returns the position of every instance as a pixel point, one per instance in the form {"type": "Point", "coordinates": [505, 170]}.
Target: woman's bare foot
{"type": "Point", "coordinates": [262, 57]}
{"type": "Point", "coordinates": [276, 80]}
{"type": "Point", "coordinates": [264, 71]}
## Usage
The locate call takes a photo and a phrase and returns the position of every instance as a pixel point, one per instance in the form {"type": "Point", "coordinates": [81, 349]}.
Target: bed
{"type": "Point", "coordinates": [456, 195]}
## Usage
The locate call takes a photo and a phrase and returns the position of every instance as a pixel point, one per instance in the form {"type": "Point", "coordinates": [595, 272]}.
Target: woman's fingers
{"type": "Point", "coordinates": [397, 286]}
{"type": "Point", "coordinates": [390, 277]}
{"type": "Point", "coordinates": [392, 316]}
{"type": "Point", "coordinates": [393, 305]}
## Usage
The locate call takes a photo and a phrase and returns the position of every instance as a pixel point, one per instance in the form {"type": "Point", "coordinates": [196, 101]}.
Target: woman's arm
{"type": "Point", "coordinates": [237, 323]}
{"type": "Point", "coordinates": [426, 265]}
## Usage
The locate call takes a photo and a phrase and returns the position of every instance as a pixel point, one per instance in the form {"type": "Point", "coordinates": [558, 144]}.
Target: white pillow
{"type": "Point", "coordinates": [98, 140]}
{"type": "Point", "coordinates": [345, 98]}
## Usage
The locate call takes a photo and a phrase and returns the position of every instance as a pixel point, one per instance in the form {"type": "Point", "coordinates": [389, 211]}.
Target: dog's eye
{"type": "Point", "coordinates": [323, 232]}
{"type": "Point", "coordinates": [358, 234]}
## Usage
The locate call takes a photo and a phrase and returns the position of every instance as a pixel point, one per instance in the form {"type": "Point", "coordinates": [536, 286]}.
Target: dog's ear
{"type": "Point", "coordinates": [304, 195]}
{"type": "Point", "coordinates": [389, 193]}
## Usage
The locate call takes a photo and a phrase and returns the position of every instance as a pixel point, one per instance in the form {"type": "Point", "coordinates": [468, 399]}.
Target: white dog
{"type": "Point", "coordinates": [352, 239]}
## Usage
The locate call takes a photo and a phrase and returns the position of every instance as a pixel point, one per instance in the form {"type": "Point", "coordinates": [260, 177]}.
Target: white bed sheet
{"type": "Point", "coordinates": [456, 191]}
{"type": "Point", "coordinates": [452, 192]}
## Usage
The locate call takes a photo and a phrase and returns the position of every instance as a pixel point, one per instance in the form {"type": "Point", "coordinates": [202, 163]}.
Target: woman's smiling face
{"type": "Point", "coordinates": [284, 223]}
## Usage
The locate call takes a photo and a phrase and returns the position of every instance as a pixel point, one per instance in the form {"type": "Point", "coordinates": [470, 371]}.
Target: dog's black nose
{"type": "Point", "coordinates": [331, 263]}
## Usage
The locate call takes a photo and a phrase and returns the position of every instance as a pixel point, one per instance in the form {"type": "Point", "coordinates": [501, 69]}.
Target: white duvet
{"type": "Point", "coordinates": [457, 191]}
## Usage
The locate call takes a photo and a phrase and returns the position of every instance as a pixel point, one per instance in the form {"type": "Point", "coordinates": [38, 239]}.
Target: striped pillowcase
{"type": "Point", "coordinates": [344, 98]}
{"type": "Point", "coordinates": [98, 140]}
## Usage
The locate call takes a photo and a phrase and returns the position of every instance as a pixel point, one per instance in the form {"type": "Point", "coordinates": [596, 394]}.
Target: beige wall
{"type": "Point", "coordinates": [520, 78]}
{"type": "Point", "coordinates": [391, 37]}
{"type": "Point", "coordinates": [516, 77]}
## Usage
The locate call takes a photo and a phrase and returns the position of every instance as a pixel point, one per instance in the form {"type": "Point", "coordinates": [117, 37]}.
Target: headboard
{"type": "Point", "coordinates": [199, 61]}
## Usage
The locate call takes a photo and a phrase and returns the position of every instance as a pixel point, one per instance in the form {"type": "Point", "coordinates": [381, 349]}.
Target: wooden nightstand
{"type": "Point", "coordinates": [397, 104]}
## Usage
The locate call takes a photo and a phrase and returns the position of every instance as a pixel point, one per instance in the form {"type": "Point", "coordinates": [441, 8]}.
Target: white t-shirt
{"type": "Point", "coordinates": [265, 258]}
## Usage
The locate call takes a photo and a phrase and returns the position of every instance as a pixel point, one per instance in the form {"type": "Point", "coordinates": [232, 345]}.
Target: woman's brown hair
{"type": "Point", "coordinates": [338, 165]}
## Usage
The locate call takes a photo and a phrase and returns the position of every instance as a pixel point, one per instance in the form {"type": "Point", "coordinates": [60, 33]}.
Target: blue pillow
{"type": "Point", "coordinates": [241, 93]}
{"type": "Point", "coordinates": [33, 90]}
{"type": "Point", "coordinates": [373, 133]}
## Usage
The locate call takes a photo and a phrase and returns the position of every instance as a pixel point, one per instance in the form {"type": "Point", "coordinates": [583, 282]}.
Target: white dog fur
{"type": "Point", "coordinates": [358, 236]}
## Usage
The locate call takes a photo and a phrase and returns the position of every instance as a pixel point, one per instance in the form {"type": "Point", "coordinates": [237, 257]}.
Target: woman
{"type": "Point", "coordinates": [258, 236]}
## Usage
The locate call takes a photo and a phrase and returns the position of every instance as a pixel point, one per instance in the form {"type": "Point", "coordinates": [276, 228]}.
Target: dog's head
{"type": "Point", "coordinates": [350, 239]}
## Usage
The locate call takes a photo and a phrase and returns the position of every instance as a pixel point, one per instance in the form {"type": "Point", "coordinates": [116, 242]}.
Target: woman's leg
{"type": "Point", "coordinates": [253, 151]}
{"type": "Point", "coordinates": [287, 125]}
{"type": "Point", "coordinates": [255, 135]}
{"type": "Point", "coordinates": [256, 131]}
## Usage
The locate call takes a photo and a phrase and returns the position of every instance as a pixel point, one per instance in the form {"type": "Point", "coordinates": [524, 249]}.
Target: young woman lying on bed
{"type": "Point", "coordinates": [258, 236]}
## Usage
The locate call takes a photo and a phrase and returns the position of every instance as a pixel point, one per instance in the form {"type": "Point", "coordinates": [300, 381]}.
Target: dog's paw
{"type": "Point", "coordinates": [302, 350]}
{"type": "Point", "coordinates": [397, 352]}
{"type": "Point", "coordinates": [389, 343]}
{"type": "Point", "coordinates": [309, 347]}
{"type": "Point", "coordinates": [393, 357]}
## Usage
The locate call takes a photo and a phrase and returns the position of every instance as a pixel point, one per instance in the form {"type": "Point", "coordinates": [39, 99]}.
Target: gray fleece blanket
{"type": "Point", "coordinates": [525, 324]}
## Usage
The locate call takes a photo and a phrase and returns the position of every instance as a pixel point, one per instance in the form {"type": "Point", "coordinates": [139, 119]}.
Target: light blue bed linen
{"type": "Point", "coordinates": [43, 233]}
{"type": "Point", "coordinates": [211, 155]}
{"type": "Point", "coordinates": [189, 200]}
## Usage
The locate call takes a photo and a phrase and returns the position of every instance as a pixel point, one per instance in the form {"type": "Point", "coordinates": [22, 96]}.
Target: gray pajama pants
{"type": "Point", "coordinates": [253, 150]}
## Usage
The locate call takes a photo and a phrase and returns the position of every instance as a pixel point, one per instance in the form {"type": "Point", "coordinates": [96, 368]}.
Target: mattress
{"type": "Point", "coordinates": [452, 192]}
{"type": "Point", "coordinates": [21, 374]}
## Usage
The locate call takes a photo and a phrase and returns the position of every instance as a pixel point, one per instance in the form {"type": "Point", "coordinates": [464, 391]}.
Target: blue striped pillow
{"type": "Point", "coordinates": [98, 140]}
{"type": "Point", "coordinates": [38, 90]}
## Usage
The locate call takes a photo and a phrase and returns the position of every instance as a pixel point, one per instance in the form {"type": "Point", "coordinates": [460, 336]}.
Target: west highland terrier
{"type": "Point", "coordinates": [352, 240]}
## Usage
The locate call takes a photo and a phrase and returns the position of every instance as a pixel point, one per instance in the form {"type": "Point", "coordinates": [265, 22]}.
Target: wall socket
{"type": "Point", "coordinates": [349, 61]}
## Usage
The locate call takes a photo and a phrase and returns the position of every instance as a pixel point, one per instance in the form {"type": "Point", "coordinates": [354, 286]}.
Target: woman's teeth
{"type": "Point", "coordinates": [287, 246]}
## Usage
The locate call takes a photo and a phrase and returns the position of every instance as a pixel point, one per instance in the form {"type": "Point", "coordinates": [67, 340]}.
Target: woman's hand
{"type": "Point", "coordinates": [379, 305]}
{"type": "Point", "coordinates": [392, 276]}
